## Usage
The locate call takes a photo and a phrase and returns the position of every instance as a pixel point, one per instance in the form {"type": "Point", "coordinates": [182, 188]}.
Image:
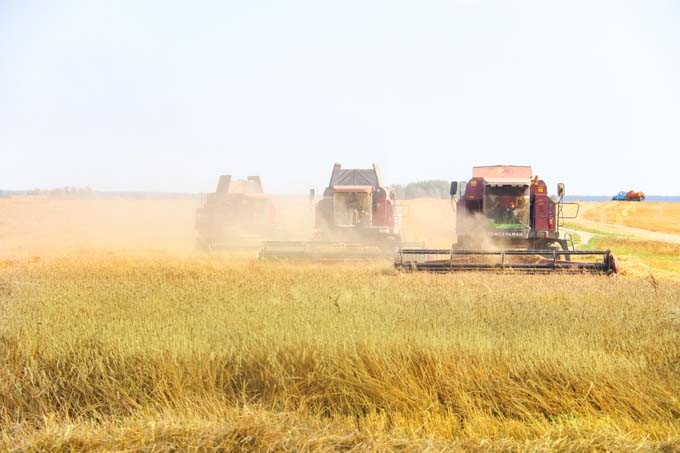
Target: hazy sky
{"type": "Point", "coordinates": [158, 95]}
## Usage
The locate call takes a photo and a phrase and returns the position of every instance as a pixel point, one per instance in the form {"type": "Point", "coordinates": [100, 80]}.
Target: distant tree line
{"type": "Point", "coordinates": [433, 188]}
{"type": "Point", "coordinates": [71, 192]}
{"type": "Point", "coordinates": [65, 192]}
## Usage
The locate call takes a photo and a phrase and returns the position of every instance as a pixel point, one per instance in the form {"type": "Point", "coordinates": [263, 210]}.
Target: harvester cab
{"type": "Point", "coordinates": [505, 219]}
{"type": "Point", "coordinates": [355, 219]}
{"type": "Point", "coordinates": [355, 207]}
{"type": "Point", "coordinates": [237, 215]}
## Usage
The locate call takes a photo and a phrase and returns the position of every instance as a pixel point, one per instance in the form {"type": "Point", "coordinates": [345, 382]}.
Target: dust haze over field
{"type": "Point", "coordinates": [51, 226]}
{"type": "Point", "coordinates": [44, 226]}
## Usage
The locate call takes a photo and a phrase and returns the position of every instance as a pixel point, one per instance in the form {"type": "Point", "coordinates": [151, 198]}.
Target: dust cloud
{"type": "Point", "coordinates": [48, 226]}
{"type": "Point", "coordinates": [40, 226]}
{"type": "Point", "coordinates": [430, 221]}
{"type": "Point", "coordinates": [474, 228]}
{"type": "Point", "coordinates": [33, 226]}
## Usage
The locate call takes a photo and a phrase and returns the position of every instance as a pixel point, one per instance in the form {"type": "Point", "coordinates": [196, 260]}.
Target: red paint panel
{"type": "Point", "coordinates": [541, 214]}
{"type": "Point", "coordinates": [382, 213]}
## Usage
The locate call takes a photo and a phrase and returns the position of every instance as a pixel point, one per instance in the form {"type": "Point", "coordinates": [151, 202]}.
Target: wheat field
{"type": "Point", "coordinates": [106, 348]}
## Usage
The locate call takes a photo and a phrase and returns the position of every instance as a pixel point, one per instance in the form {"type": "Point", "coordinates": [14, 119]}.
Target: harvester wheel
{"type": "Point", "coordinates": [564, 245]}
{"type": "Point", "coordinates": [555, 247]}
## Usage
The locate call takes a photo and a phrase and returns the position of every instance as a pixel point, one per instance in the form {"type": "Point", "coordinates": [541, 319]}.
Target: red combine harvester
{"type": "Point", "coordinates": [355, 219]}
{"type": "Point", "coordinates": [237, 216]}
{"type": "Point", "coordinates": [505, 220]}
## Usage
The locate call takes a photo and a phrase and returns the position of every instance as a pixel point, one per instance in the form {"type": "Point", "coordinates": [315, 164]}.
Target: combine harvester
{"type": "Point", "coordinates": [505, 221]}
{"type": "Point", "coordinates": [355, 220]}
{"type": "Point", "coordinates": [237, 216]}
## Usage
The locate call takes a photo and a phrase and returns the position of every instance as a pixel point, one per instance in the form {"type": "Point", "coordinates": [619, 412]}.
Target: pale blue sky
{"type": "Point", "coordinates": [157, 95]}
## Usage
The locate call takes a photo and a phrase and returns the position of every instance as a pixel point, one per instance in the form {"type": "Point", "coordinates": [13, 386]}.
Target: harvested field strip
{"type": "Point", "coordinates": [652, 216]}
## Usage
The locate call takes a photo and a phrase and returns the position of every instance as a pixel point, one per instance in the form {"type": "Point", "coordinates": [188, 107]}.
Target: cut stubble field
{"type": "Point", "coordinates": [158, 350]}
{"type": "Point", "coordinates": [652, 216]}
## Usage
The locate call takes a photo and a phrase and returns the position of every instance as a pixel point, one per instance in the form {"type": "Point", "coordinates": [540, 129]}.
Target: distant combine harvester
{"type": "Point", "coordinates": [631, 195]}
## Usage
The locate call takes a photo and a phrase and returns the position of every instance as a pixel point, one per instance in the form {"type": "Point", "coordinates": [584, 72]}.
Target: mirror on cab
{"type": "Point", "coordinates": [454, 189]}
{"type": "Point", "coordinates": [560, 190]}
